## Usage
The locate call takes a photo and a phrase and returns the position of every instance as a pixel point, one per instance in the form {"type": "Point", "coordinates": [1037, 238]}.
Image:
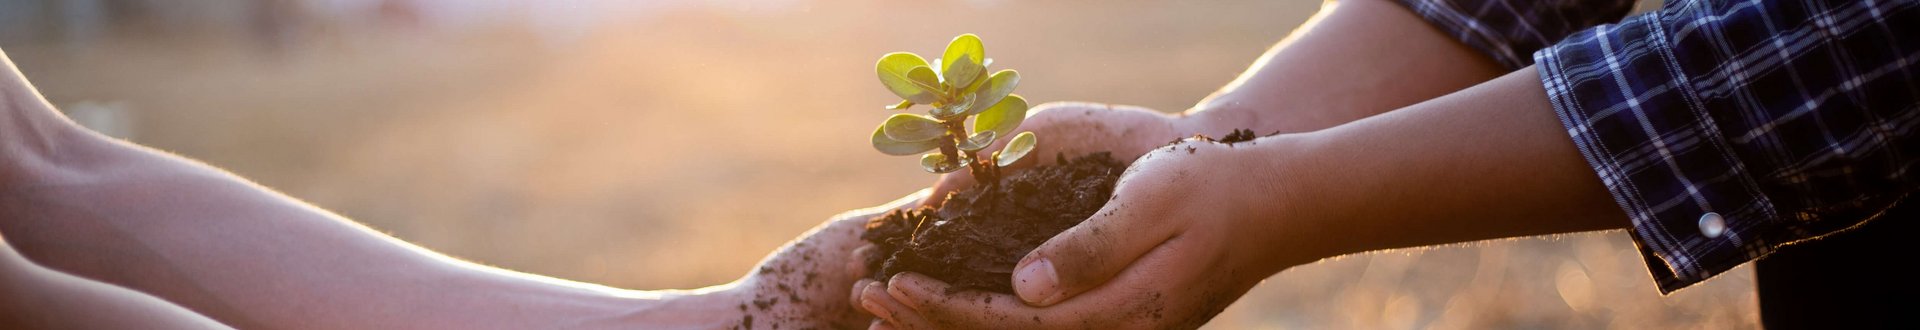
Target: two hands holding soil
{"type": "Point", "coordinates": [1380, 133]}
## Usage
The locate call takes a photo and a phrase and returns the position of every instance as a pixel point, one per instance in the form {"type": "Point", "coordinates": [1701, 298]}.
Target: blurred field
{"type": "Point", "coordinates": [670, 146]}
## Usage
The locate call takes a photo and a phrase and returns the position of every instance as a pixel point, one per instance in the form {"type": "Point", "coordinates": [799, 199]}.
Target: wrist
{"type": "Point", "coordinates": [1288, 200]}
{"type": "Point", "coordinates": [685, 309]}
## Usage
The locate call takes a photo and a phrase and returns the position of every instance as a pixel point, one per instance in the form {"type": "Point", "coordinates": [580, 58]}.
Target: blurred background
{"type": "Point", "coordinates": [663, 144]}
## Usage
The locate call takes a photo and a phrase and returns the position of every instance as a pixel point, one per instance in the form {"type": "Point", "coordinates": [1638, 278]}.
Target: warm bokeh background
{"type": "Point", "coordinates": [659, 145]}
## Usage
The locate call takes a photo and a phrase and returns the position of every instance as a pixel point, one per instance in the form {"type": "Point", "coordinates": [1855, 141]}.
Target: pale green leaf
{"type": "Point", "coordinates": [938, 163]}
{"type": "Point", "coordinates": [979, 141]}
{"type": "Point", "coordinates": [890, 146]}
{"type": "Point", "coordinates": [1018, 147]}
{"type": "Point", "coordinates": [903, 105]}
{"type": "Point", "coordinates": [964, 74]}
{"type": "Point", "coordinates": [1003, 117]}
{"type": "Point", "coordinates": [906, 127]}
{"type": "Point", "coordinates": [900, 72]}
{"type": "Point", "coordinates": [998, 86]}
{"type": "Point", "coordinates": [966, 46]}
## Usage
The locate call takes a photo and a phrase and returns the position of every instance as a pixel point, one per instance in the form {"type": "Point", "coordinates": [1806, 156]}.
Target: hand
{"type": "Point", "coordinates": [1191, 228]}
{"type": "Point", "coordinates": [1078, 128]}
{"type": "Point", "coordinates": [803, 284]}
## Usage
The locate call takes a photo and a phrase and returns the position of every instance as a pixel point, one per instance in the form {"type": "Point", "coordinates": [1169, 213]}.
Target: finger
{"type": "Point", "coordinates": [1165, 289]}
{"type": "Point", "coordinates": [929, 299]}
{"type": "Point", "coordinates": [874, 299]}
{"type": "Point", "coordinates": [879, 324]}
{"type": "Point", "coordinates": [948, 183]}
{"type": "Point", "coordinates": [859, 287]}
{"type": "Point", "coordinates": [857, 264]}
{"type": "Point", "coordinates": [1091, 252]}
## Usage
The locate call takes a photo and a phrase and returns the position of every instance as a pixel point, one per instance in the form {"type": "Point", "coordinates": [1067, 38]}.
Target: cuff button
{"type": "Point", "coordinates": [1712, 225]}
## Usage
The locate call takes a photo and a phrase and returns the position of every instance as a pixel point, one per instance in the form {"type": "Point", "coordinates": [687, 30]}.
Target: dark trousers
{"type": "Point", "coordinates": [1861, 278]}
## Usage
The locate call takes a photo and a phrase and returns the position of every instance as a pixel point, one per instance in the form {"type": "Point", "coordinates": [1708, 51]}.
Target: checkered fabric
{"type": "Point", "coordinates": [1727, 129]}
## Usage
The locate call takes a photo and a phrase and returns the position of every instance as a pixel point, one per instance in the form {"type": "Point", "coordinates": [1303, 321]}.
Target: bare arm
{"type": "Point", "coordinates": [249, 257]}
{"type": "Point", "coordinates": [33, 297]}
{"type": "Point", "coordinates": [1353, 59]}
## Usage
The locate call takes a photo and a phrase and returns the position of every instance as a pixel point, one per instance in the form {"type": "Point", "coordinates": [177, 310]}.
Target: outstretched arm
{"type": "Point", "coordinates": [1353, 59]}
{"type": "Point", "coordinates": [83, 204]}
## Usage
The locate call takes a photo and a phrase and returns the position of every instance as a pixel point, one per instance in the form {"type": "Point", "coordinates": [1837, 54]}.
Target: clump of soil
{"type": "Point", "coordinates": [975, 238]}
{"type": "Point", "coordinates": [1237, 136]}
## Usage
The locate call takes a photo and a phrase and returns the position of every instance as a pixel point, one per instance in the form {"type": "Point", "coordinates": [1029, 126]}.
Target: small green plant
{"type": "Point", "coordinates": [958, 90]}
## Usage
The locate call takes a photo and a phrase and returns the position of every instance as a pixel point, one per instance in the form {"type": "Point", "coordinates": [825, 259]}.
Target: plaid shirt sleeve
{"type": "Point", "coordinates": [1510, 30]}
{"type": "Point", "coordinates": [1727, 129]}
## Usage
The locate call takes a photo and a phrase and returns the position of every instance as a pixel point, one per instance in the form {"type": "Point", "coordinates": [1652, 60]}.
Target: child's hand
{"type": "Point", "coordinates": [1076, 128]}
{"type": "Point", "coordinates": [1192, 227]}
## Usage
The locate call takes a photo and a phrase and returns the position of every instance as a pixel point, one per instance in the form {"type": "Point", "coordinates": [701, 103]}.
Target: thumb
{"type": "Point", "coordinates": [947, 183]}
{"type": "Point", "coordinates": [1087, 255]}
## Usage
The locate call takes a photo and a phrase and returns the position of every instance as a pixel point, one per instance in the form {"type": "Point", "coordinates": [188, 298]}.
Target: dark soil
{"type": "Point", "coordinates": [974, 239]}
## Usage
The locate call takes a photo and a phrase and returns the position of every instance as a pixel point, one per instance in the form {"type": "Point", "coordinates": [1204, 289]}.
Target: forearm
{"type": "Point", "coordinates": [34, 297]}
{"type": "Point", "coordinates": [1354, 59]}
{"type": "Point", "coordinates": [80, 203]}
{"type": "Point", "coordinates": [1487, 162]}
{"type": "Point", "coordinates": [250, 257]}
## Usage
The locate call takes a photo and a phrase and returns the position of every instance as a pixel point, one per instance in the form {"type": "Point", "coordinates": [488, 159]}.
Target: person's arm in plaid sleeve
{"type": "Point", "coordinates": [1728, 129]}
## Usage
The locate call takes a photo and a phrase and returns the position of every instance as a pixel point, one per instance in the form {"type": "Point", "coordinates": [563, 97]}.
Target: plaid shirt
{"type": "Point", "coordinates": [1724, 129]}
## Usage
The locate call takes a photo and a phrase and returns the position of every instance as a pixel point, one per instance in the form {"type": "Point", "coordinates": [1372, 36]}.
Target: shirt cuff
{"type": "Point", "coordinates": [1627, 103]}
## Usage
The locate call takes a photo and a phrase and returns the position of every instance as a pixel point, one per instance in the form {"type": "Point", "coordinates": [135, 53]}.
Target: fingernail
{"type": "Point", "coordinates": [1037, 283]}
{"type": "Point", "coordinates": [907, 288]}
{"type": "Point", "coordinates": [872, 306]}
{"type": "Point", "coordinates": [879, 324]}
{"type": "Point", "coordinates": [859, 287]}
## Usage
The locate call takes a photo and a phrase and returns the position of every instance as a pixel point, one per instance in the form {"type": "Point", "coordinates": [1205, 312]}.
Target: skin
{"type": "Point", "coordinates": [102, 233]}
{"type": "Point", "coordinates": [1189, 232]}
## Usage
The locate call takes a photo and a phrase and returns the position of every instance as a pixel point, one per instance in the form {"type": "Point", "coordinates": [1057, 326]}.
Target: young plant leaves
{"type": "Point", "coordinates": [903, 105]}
{"type": "Point", "coordinates": [997, 87]}
{"type": "Point", "coordinates": [889, 146]}
{"type": "Point", "coordinates": [938, 163]}
{"type": "Point", "coordinates": [960, 76]}
{"type": "Point", "coordinates": [1019, 147]}
{"type": "Point", "coordinates": [965, 46]}
{"type": "Point", "coordinates": [978, 141]}
{"type": "Point", "coordinates": [1002, 118]}
{"type": "Point", "coordinates": [902, 73]}
{"type": "Point", "coordinates": [906, 127]}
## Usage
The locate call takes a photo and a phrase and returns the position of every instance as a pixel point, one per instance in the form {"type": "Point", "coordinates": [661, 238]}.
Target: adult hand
{"type": "Point", "coordinates": [1192, 227]}
{"type": "Point", "coordinates": [804, 283]}
{"type": "Point", "coordinates": [1079, 128]}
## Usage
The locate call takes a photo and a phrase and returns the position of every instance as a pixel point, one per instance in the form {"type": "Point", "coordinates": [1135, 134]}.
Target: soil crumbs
{"type": "Point", "coordinates": [976, 237]}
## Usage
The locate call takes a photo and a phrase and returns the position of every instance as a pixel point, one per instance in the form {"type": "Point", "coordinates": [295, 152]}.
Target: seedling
{"type": "Point", "coordinates": [957, 90]}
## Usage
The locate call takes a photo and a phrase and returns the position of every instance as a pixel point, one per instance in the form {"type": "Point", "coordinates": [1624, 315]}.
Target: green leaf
{"type": "Point", "coordinates": [979, 141]}
{"type": "Point", "coordinates": [965, 46]}
{"type": "Point", "coordinates": [906, 127]}
{"type": "Point", "coordinates": [1019, 147]}
{"type": "Point", "coordinates": [903, 105]}
{"type": "Point", "coordinates": [953, 110]}
{"type": "Point", "coordinates": [890, 146]}
{"type": "Point", "coordinates": [938, 163]}
{"type": "Point", "coordinates": [998, 86]}
{"type": "Point", "coordinates": [963, 75]}
{"type": "Point", "coordinates": [902, 73]}
{"type": "Point", "coordinates": [1002, 118]}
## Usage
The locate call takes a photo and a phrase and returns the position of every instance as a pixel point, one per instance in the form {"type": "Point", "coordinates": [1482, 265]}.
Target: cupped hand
{"type": "Point", "coordinates": [1079, 128]}
{"type": "Point", "coordinates": [804, 284]}
{"type": "Point", "coordinates": [1192, 227]}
